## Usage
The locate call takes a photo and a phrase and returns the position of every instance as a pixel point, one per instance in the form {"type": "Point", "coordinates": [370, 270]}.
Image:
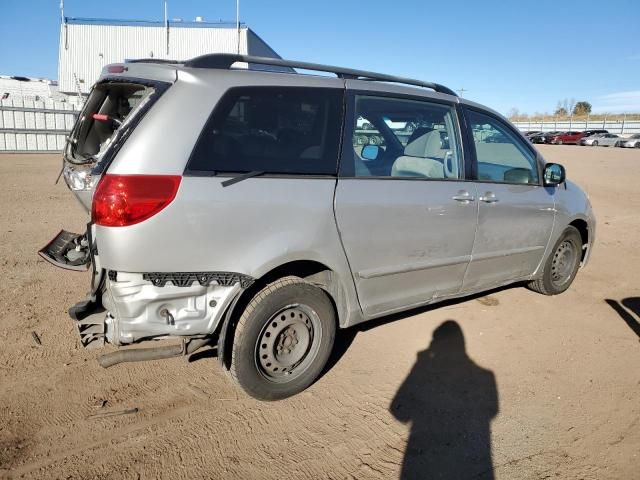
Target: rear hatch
{"type": "Point", "coordinates": [113, 109]}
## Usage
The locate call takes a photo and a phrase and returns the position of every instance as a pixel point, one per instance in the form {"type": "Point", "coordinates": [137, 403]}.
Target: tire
{"type": "Point", "coordinates": [283, 339]}
{"type": "Point", "coordinates": [559, 142]}
{"type": "Point", "coordinates": [637, 144]}
{"type": "Point", "coordinates": [595, 143]}
{"type": "Point", "coordinates": [561, 267]}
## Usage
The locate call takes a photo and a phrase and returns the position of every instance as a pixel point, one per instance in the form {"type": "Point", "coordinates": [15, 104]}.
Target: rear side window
{"type": "Point", "coordinates": [272, 130]}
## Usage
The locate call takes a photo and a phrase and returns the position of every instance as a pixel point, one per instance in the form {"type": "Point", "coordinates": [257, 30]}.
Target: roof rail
{"type": "Point", "coordinates": [226, 60]}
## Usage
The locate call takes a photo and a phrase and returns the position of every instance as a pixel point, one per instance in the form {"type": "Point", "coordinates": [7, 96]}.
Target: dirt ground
{"type": "Point", "coordinates": [514, 384]}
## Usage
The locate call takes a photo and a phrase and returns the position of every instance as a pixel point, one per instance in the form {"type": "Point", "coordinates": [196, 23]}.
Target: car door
{"type": "Point", "coordinates": [406, 216]}
{"type": "Point", "coordinates": [515, 212]}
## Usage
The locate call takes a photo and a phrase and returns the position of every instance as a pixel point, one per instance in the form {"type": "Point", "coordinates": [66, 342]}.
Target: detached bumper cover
{"type": "Point", "coordinates": [69, 251]}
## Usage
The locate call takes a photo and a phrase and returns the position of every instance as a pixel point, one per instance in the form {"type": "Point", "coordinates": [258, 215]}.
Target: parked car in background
{"type": "Point", "coordinates": [532, 132]}
{"type": "Point", "coordinates": [604, 140]}
{"type": "Point", "coordinates": [588, 133]}
{"type": "Point", "coordinates": [632, 142]}
{"type": "Point", "coordinates": [566, 137]}
{"type": "Point", "coordinates": [542, 137]}
{"type": "Point", "coordinates": [588, 141]}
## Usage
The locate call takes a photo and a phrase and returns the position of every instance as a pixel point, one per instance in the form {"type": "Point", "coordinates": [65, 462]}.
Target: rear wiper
{"type": "Point", "coordinates": [239, 178]}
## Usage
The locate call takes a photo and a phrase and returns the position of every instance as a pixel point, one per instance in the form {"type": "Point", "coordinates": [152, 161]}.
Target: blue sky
{"type": "Point", "coordinates": [522, 54]}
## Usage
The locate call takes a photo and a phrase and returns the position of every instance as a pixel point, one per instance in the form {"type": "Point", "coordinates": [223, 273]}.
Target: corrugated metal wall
{"type": "Point", "coordinates": [86, 48]}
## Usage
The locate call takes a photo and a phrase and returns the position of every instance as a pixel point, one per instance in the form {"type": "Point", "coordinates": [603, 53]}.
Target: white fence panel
{"type": "Point", "coordinates": [35, 126]}
{"type": "Point", "coordinates": [624, 128]}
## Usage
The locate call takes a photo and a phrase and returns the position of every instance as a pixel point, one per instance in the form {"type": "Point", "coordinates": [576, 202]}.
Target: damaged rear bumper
{"type": "Point", "coordinates": [124, 308]}
{"type": "Point", "coordinates": [135, 306]}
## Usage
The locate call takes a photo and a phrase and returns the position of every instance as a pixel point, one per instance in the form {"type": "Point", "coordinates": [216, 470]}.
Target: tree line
{"type": "Point", "coordinates": [564, 108]}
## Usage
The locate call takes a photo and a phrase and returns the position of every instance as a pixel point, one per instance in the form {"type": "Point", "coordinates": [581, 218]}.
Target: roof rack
{"type": "Point", "coordinates": [226, 60]}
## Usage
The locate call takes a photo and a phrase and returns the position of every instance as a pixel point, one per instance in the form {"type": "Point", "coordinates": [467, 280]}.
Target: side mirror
{"type": "Point", "coordinates": [554, 174]}
{"type": "Point", "coordinates": [370, 152]}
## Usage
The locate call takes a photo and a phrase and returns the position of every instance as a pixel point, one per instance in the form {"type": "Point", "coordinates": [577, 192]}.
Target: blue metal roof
{"type": "Point", "coordinates": [148, 23]}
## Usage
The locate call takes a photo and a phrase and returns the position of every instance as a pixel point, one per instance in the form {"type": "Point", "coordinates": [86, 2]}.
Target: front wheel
{"type": "Point", "coordinates": [561, 267]}
{"type": "Point", "coordinates": [594, 144]}
{"type": "Point", "coordinates": [283, 339]}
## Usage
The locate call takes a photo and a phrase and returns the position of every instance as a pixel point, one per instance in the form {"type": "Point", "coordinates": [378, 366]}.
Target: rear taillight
{"type": "Point", "coordinates": [122, 200]}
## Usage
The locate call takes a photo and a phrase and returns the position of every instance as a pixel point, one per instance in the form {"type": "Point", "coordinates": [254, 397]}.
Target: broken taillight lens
{"type": "Point", "coordinates": [123, 200]}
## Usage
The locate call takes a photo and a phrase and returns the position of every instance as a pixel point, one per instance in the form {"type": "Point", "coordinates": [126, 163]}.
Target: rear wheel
{"type": "Point", "coordinates": [595, 143]}
{"type": "Point", "coordinates": [561, 267]}
{"type": "Point", "coordinates": [283, 339]}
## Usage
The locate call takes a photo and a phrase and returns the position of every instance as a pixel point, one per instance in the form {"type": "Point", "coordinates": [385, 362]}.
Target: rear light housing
{"type": "Point", "coordinates": [123, 200]}
{"type": "Point", "coordinates": [116, 69]}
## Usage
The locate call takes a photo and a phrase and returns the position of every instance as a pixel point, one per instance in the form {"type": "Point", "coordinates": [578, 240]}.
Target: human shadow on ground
{"type": "Point", "coordinates": [449, 402]}
{"type": "Point", "coordinates": [630, 314]}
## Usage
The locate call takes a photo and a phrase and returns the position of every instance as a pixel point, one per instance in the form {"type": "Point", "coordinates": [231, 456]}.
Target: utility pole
{"type": "Point", "coordinates": [461, 91]}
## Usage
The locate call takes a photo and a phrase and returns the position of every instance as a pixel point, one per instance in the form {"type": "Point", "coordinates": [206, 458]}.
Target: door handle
{"type": "Point", "coordinates": [463, 196]}
{"type": "Point", "coordinates": [489, 197]}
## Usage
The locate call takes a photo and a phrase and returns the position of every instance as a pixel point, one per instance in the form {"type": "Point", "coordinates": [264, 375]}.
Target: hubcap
{"type": "Point", "coordinates": [288, 343]}
{"type": "Point", "coordinates": [563, 263]}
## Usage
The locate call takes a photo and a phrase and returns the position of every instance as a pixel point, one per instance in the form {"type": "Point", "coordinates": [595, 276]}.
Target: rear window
{"type": "Point", "coordinates": [272, 130]}
{"type": "Point", "coordinates": [108, 109]}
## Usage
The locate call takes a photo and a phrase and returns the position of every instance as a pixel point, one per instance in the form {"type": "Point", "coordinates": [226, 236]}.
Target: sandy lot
{"type": "Point", "coordinates": [521, 386]}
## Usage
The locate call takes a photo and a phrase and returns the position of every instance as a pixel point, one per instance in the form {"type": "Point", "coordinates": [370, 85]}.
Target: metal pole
{"type": "Point", "coordinates": [238, 23]}
{"type": "Point", "coordinates": [624, 119]}
{"type": "Point", "coordinates": [64, 23]}
{"type": "Point", "coordinates": [166, 22]}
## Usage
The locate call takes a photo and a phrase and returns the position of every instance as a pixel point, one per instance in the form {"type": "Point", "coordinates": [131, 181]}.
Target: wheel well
{"type": "Point", "coordinates": [314, 272]}
{"type": "Point", "coordinates": [583, 228]}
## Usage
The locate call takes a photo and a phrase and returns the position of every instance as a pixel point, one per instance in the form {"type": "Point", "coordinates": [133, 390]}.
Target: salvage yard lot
{"type": "Point", "coordinates": [554, 381]}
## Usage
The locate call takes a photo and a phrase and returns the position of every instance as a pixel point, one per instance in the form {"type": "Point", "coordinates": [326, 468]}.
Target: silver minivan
{"type": "Point", "coordinates": [239, 204]}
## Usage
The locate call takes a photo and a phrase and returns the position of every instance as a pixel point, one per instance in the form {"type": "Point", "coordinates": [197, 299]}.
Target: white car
{"type": "Point", "coordinates": [604, 140]}
{"type": "Point", "coordinates": [632, 142]}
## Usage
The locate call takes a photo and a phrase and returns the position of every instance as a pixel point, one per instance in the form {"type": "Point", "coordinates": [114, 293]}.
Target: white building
{"type": "Point", "coordinates": [87, 45]}
{"type": "Point", "coordinates": [28, 88]}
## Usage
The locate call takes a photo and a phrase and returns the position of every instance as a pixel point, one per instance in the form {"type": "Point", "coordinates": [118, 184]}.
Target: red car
{"type": "Point", "coordinates": [567, 137]}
